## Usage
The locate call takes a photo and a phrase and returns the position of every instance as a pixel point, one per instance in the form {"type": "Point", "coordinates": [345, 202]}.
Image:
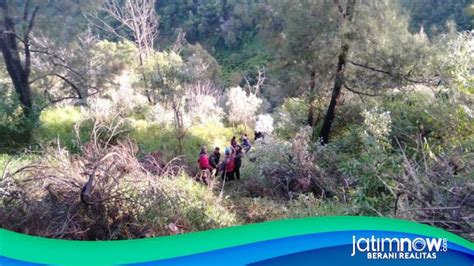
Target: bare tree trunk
{"type": "Point", "coordinates": [347, 16]}
{"type": "Point", "coordinates": [312, 96]}
{"type": "Point", "coordinates": [178, 115]}
{"type": "Point", "coordinates": [19, 72]}
{"type": "Point", "coordinates": [336, 93]}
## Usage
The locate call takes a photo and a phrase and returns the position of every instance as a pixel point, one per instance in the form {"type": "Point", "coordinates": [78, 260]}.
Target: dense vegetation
{"type": "Point", "coordinates": [366, 106]}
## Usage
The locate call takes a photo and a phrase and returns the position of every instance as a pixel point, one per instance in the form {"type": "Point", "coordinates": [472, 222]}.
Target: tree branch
{"type": "Point", "coordinates": [27, 40]}
{"type": "Point", "coordinates": [339, 7]}
{"type": "Point", "coordinates": [400, 75]}
{"type": "Point", "coordinates": [361, 93]}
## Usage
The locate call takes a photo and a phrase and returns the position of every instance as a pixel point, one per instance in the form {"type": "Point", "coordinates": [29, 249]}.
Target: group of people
{"type": "Point", "coordinates": [229, 167]}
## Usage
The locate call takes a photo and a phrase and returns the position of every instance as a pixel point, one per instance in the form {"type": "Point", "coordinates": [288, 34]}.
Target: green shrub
{"type": "Point", "coordinates": [306, 205]}
{"type": "Point", "coordinates": [214, 134]}
{"type": "Point", "coordinates": [442, 122]}
{"type": "Point", "coordinates": [373, 176]}
{"type": "Point", "coordinates": [194, 205]}
{"type": "Point", "coordinates": [280, 169]}
{"type": "Point", "coordinates": [15, 128]}
{"type": "Point", "coordinates": [57, 125]}
{"type": "Point", "coordinates": [290, 117]}
{"type": "Point", "coordinates": [154, 137]}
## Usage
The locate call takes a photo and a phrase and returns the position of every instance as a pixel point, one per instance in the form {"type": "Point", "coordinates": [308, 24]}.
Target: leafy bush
{"type": "Point", "coordinates": [307, 205]}
{"type": "Point", "coordinates": [15, 129]}
{"type": "Point", "coordinates": [442, 122]}
{"type": "Point", "coordinates": [290, 117]}
{"type": "Point", "coordinates": [197, 208]}
{"type": "Point", "coordinates": [154, 137]}
{"type": "Point", "coordinates": [281, 169]}
{"type": "Point", "coordinates": [372, 175]}
{"type": "Point", "coordinates": [57, 125]}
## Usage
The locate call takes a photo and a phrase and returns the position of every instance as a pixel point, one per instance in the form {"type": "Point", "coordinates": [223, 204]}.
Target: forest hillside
{"type": "Point", "coordinates": [111, 112]}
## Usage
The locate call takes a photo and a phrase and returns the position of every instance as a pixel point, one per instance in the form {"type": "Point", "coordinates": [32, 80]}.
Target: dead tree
{"type": "Point", "coordinates": [138, 17]}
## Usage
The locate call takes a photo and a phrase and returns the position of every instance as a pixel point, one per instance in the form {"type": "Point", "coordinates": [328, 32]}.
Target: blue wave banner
{"type": "Point", "coordinates": [309, 241]}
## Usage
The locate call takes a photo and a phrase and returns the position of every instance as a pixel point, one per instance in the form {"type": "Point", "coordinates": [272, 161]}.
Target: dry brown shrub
{"type": "Point", "coordinates": [97, 194]}
{"type": "Point", "coordinates": [438, 190]}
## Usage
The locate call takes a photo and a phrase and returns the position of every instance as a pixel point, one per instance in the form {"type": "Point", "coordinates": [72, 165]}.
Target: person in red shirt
{"type": "Point", "coordinates": [227, 166]}
{"type": "Point", "coordinates": [204, 160]}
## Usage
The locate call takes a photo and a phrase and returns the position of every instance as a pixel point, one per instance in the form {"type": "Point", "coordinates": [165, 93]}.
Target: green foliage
{"type": "Point", "coordinates": [290, 117]}
{"type": "Point", "coordinates": [153, 137]}
{"type": "Point", "coordinates": [241, 62]}
{"type": "Point", "coordinates": [307, 205]}
{"type": "Point", "coordinates": [218, 23]}
{"type": "Point", "coordinates": [58, 127]}
{"type": "Point", "coordinates": [15, 129]}
{"type": "Point", "coordinates": [214, 134]}
{"type": "Point", "coordinates": [374, 172]}
{"type": "Point", "coordinates": [410, 145]}
{"type": "Point", "coordinates": [454, 59]}
{"type": "Point", "coordinates": [265, 167]}
{"type": "Point", "coordinates": [434, 15]}
{"type": "Point", "coordinates": [290, 31]}
{"type": "Point", "coordinates": [198, 207]}
{"type": "Point", "coordinates": [442, 122]}
{"type": "Point", "coordinates": [117, 54]}
{"type": "Point", "coordinates": [202, 63]}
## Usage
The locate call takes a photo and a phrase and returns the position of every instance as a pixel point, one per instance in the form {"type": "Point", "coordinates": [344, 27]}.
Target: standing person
{"type": "Point", "coordinates": [233, 142]}
{"type": "Point", "coordinates": [227, 166]}
{"type": "Point", "coordinates": [204, 160]}
{"type": "Point", "coordinates": [206, 168]}
{"type": "Point", "coordinates": [215, 158]}
{"type": "Point", "coordinates": [246, 143]}
{"type": "Point", "coordinates": [238, 161]}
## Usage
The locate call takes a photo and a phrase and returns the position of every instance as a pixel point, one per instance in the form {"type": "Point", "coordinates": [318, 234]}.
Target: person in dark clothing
{"type": "Point", "coordinates": [233, 142]}
{"type": "Point", "coordinates": [259, 135]}
{"type": "Point", "coordinates": [238, 161]}
{"type": "Point", "coordinates": [227, 165]}
{"type": "Point", "coordinates": [215, 158]}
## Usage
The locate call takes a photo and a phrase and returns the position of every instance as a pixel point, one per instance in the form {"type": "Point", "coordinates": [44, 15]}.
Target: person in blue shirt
{"type": "Point", "coordinates": [246, 143]}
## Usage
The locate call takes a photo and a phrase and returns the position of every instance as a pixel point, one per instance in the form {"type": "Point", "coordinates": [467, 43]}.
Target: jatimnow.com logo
{"type": "Point", "coordinates": [424, 248]}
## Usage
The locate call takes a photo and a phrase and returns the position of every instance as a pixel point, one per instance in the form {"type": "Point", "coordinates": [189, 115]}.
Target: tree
{"type": "Point", "coordinates": [169, 78]}
{"type": "Point", "coordinates": [385, 55]}
{"type": "Point", "coordinates": [346, 17]}
{"type": "Point", "coordinates": [365, 48]}
{"type": "Point", "coordinates": [135, 18]}
{"type": "Point", "coordinates": [43, 58]}
{"type": "Point", "coordinates": [302, 35]}
{"type": "Point", "coordinates": [12, 44]}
